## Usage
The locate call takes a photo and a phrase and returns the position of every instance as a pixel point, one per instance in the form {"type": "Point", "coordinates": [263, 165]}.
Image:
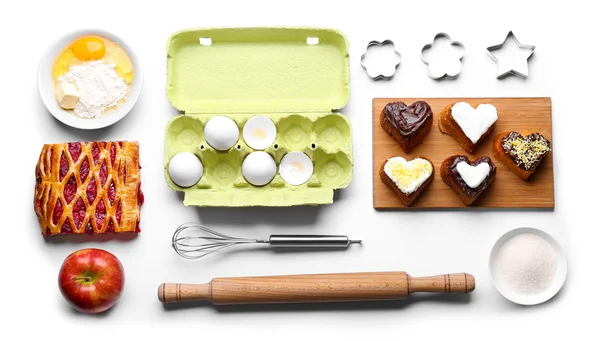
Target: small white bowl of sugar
{"type": "Point", "coordinates": [528, 266]}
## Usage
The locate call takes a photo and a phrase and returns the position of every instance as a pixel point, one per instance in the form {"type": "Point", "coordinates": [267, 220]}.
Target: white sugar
{"type": "Point", "coordinates": [526, 264]}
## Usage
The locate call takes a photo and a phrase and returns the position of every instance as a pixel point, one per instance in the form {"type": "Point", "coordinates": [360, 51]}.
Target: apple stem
{"type": "Point", "coordinates": [83, 278]}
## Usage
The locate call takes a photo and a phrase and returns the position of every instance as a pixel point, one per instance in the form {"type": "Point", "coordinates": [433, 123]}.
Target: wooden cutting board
{"type": "Point", "coordinates": [507, 191]}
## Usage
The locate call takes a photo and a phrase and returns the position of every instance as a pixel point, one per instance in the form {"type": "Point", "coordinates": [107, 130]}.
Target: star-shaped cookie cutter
{"type": "Point", "coordinates": [380, 43]}
{"type": "Point", "coordinates": [452, 43]}
{"type": "Point", "coordinates": [512, 70]}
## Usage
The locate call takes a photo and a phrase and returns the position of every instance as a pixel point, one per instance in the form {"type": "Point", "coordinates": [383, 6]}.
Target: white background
{"type": "Point", "coordinates": [564, 67]}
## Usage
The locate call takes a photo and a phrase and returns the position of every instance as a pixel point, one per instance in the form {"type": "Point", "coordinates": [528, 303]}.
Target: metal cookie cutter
{"type": "Point", "coordinates": [517, 68]}
{"type": "Point", "coordinates": [432, 68]}
{"type": "Point", "coordinates": [379, 44]}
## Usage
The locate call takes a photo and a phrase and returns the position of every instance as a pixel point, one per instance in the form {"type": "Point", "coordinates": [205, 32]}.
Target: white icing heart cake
{"type": "Point", "coordinates": [473, 175]}
{"type": "Point", "coordinates": [474, 122]}
{"type": "Point", "coordinates": [408, 176]}
{"type": "Point", "coordinates": [467, 125]}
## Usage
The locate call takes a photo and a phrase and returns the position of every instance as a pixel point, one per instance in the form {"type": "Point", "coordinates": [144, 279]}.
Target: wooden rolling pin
{"type": "Point", "coordinates": [367, 286]}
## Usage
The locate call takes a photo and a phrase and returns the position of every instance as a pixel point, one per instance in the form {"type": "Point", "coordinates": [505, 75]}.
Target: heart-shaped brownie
{"type": "Point", "coordinates": [468, 178]}
{"type": "Point", "coordinates": [522, 154]}
{"type": "Point", "coordinates": [407, 124]}
{"type": "Point", "coordinates": [407, 178]}
{"type": "Point", "coordinates": [468, 125]}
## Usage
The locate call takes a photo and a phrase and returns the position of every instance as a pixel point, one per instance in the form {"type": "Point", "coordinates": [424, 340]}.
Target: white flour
{"type": "Point", "coordinates": [526, 264]}
{"type": "Point", "coordinates": [100, 87]}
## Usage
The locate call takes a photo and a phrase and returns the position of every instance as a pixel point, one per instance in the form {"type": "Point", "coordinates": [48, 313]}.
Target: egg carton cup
{"type": "Point", "coordinates": [298, 77]}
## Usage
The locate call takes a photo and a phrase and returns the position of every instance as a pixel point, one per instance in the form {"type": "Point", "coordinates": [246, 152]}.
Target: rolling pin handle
{"type": "Point", "coordinates": [171, 292]}
{"type": "Point", "coordinates": [457, 283]}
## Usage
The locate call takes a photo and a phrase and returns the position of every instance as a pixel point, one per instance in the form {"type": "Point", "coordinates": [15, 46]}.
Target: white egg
{"type": "Point", "coordinates": [221, 132]}
{"type": "Point", "coordinates": [185, 169]}
{"type": "Point", "coordinates": [259, 168]}
{"type": "Point", "coordinates": [296, 168]}
{"type": "Point", "coordinates": [259, 132]}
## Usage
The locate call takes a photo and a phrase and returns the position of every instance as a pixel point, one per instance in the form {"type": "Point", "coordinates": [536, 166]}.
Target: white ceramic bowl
{"type": "Point", "coordinates": [530, 299]}
{"type": "Point", "coordinates": [46, 83]}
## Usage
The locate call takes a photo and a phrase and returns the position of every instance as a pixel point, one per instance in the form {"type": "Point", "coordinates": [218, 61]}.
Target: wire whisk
{"type": "Point", "coordinates": [194, 241]}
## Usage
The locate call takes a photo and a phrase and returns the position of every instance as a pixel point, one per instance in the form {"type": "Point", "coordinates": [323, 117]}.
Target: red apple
{"type": "Point", "coordinates": [91, 280]}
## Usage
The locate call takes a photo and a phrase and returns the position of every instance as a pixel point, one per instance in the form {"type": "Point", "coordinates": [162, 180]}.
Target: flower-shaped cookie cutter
{"type": "Point", "coordinates": [448, 68]}
{"type": "Point", "coordinates": [378, 76]}
{"type": "Point", "coordinates": [517, 68]}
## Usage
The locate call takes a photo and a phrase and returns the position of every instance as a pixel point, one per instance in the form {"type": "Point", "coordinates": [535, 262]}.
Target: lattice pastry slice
{"type": "Point", "coordinates": [88, 187]}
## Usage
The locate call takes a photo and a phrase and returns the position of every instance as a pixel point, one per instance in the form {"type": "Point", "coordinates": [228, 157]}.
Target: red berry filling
{"type": "Point", "coordinates": [110, 227]}
{"type": "Point", "coordinates": [74, 151]}
{"type": "Point", "coordinates": [140, 197]}
{"type": "Point", "coordinates": [66, 228]}
{"type": "Point", "coordinates": [95, 153]}
{"type": "Point", "coordinates": [103, 174]}
{"type": "Point", "coordinates": [89, 229]}
{"type": "Point", "coordinates": [112, 193]}
{"type": "Point", "coordinates": [100, 213]}
{"type": "Point", "coordinates": [79, 213]}
{"type": "Point", "coordinates": [70, 189]}
{"type": "Point", "coordinates": [113, 154]}
{"type": "Point", "coordinates": [64, 167]}
{"type": "Point", "coordinates": [84, 170]}
{"type": "Point", "coordinates": [58, 211]}
{"type": "Point", "coordinates": [91, 191]}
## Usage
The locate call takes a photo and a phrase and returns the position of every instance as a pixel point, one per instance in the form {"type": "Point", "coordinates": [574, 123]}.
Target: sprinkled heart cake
{"type": "Point", "coordinates": [469, 178]}
{"type": "Point", "coordinates": [407, 178]}
{"type": "Point", "coordinates": [407, 124]}
{"type": "Point", "coordinates": [88, 187]}
{"type": "Point", "coordinates": [468, 125]}
{"type": "Point", "coordinates": [521, 153]}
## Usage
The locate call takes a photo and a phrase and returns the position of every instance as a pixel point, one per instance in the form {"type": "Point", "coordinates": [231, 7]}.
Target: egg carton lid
{"type": "Point", "coordinates": [258, 70]}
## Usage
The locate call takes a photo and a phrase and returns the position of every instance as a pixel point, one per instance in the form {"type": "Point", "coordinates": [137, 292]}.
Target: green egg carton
{"type": "Point", "coordinates": [298, 77]}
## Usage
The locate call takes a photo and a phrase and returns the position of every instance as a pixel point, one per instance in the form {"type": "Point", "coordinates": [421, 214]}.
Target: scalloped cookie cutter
{"type": "Point", "coordinates": [376, 43]}
{"type": "Point", "coordinates": [432, 71]}
{"type": "Point", "coordinates": [512, 67]}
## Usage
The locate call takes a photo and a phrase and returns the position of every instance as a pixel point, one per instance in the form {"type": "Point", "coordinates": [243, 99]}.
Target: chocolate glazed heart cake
{"type": "Point", "coordinates": [521, 154]}
{"type": "Point", "coordinates": [407, 124]}
{"type": "Point", "coordinates": [468, 178]}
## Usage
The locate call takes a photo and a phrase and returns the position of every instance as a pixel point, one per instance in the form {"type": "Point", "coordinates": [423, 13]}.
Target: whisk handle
{"type": "Point", "coordinates": [309, 241]}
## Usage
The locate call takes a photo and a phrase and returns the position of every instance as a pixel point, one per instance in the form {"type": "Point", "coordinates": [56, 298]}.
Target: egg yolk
{"type": "Point", "coordinates": [89, 48]}
{"type": "Point", "coordinates": [259, 134]}
{"type": "Point", "coordinates": [298, 166]}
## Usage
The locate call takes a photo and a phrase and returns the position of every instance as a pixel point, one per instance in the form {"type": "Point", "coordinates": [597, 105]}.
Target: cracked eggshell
{"type": "Point", "coordinates": [296, 168]}
{"type": "Point", "coordinates": [259, 132]}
